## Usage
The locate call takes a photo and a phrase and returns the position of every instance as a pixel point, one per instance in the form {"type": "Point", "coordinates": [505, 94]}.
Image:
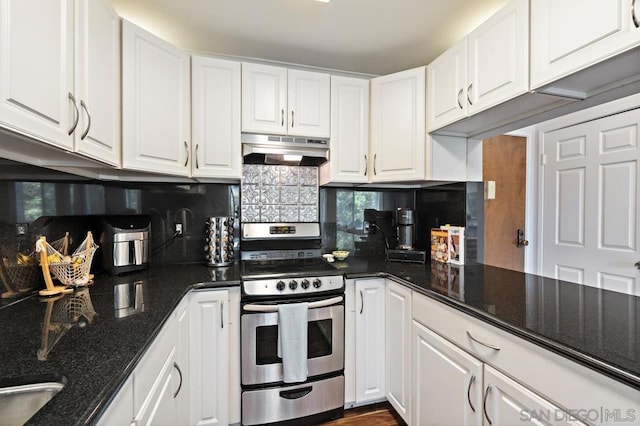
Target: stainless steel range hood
{"type": "Point", "coordinates": [288, 150]}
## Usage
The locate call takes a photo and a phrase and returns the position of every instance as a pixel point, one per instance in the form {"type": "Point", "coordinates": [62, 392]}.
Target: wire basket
{"type": "Point", "coordinates": [69, 270]}
{"type": "Point", "coordinates": [18, 272]}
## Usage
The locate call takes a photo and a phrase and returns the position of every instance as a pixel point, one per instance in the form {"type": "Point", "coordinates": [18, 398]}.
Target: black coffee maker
{"type": "Point", "coordinates": [379, 233]}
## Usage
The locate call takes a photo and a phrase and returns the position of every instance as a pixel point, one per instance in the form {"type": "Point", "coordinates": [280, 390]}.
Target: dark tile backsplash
{"type": "Point", "coordinates": [164, 203]}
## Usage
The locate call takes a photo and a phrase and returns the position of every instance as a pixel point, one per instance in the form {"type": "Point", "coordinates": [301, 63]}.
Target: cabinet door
{"type": "Point", "coordinates": [156, 126]}
{"type": "Point", "coordinates": [398, 348]}
{"type": "Point", "coordinates": [349, 132]}
{"type": "Point", "coordinates": [508, 403]}
{"type": "Point", "coordinates": [120, 410]}
{"type": "Point", "coordinates": [398, 126]}
{"type": "Point", "coordinates": [36, 69]}
{"type": "Point", "coordinates": [181, 315]}
{"type": "Point", "coordinates": [209, 357]}
{"type": "Point", "coordinates": [97, 80]}
{"type": "Point", "coordinates": [264, 99]}
{"type": "Point", "coordinates": [370, 340]}
{"type": "Point", "coordinates": [447, 382]}
{"type": "Point", "coordinates": [161, 406]}
{"type": "Point", "coordinates": [308, 101]}
{"type": "Point", "coordinates": [349, 344]}
{"type": "Point", "coordinates": [446, 86]}
{"type": "Point", "coordinates": [570, 35]}
{"type": "Point", "coordinates": [498, 57]}
{"type": "Point", "coordinates": [216, 118]}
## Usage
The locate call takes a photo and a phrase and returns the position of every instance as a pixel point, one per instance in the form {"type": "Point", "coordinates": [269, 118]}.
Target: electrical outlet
{"type": "Point", "coordinates": [22, 228]}
{"type": "Point", "coordinates": [178, 230]}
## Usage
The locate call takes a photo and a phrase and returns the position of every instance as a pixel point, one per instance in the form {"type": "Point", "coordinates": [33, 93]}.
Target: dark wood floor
{"type": "Point", "coordinates": [372, 415]}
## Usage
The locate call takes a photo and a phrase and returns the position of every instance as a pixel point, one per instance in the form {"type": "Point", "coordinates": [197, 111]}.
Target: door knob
{"type": "Point", "coordinates": [520, 241]}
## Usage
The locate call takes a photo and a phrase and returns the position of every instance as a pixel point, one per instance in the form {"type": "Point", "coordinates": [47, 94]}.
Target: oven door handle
{"type": "Point", "coordinates": [256, 307]}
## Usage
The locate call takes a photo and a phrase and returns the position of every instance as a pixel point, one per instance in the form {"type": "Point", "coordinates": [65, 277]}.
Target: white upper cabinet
{"type": "Point", "coordinates": [36, 69]}
{"type": "Point", "coordinates": [216, 147]}
{"type": "Point", "coordinates": [498, 57]}
{"type": "Point", "coordinates": [349, 132]}
{"type": "Point", "coordinates": [309, 103]}
{"type": "Point", "coordinates": [97, 78]}
{"type": "Point", "coordinates": [446, 86]}
{"type": "Point", "coordinates": [397, 150]}
{"type": "Point", "coordinates": [48, 96]}
{"type": "Point", "coordinates": [280, 101]}
{"type": "Point", "coordinates": [486, 68]}
{"type": "Point", "coordinates": [567, 36]}
{"type": "Point", "coordinates": [156, 126]}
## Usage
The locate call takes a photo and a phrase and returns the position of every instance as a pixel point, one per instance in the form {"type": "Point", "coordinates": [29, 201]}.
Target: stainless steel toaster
{"type": "Point", "coordinates": [125, 243]}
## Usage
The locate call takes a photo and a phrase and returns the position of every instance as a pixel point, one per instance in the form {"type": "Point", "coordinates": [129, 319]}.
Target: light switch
{"type": "Point", "coordinates": [491, 190]}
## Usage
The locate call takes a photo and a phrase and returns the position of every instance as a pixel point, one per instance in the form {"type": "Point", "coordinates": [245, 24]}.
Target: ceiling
{"type": "Point", "coordinates": [364, 36]}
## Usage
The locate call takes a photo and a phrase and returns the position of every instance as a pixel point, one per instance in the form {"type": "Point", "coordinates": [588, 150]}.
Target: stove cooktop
{"type": "Point", "coordinates": [289, 268]}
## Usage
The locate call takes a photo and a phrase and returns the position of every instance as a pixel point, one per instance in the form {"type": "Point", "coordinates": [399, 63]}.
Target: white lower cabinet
{"type": "Point", "coordinates": [120, 410]}
{"type": "Point", "coordinates": [447, 382]}
{"type": "Point", "coordinates": [398, 347]}
{"type": "Point", "coordinates": [158, 379]}
{"type": "Point", "coordinates": [370, 340]}
{"type": "Point", "coordinates": [209, 357]}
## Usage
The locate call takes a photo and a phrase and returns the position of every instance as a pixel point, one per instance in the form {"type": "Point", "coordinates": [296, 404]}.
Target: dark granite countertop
{"type": "Point", "coordinates": [96, 358]}
{"type": "Point", "coordinates": [597, 328]}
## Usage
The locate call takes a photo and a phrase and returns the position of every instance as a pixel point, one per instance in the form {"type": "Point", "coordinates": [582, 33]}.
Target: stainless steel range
{"type": "Point", "coordinates": [281, 265]}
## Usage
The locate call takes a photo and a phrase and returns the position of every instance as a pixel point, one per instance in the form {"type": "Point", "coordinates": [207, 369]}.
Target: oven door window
{"type": "Point", "coordinates": [319, 342]}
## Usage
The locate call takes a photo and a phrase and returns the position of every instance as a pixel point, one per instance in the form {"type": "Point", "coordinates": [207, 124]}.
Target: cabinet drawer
{"type": "Point", "coordinates": [150, 366]}
{"type": "Point", "coordinates": [559, 379]}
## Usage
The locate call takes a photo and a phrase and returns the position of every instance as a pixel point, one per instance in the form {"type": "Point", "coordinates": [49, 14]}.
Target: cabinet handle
{"type": "Point", "coordinates": [471, 381]}
{"type": "Point", "coordinates": [282, 117]}
{"type": "Point", "coordinates": [633, 14]}
{"type": "Point", "coordinates": [484, 404]}
{"type": "Point", "coordinates": [292, 119]}
{"type": "Point", "coordinates": [221, 314]}
{"type": "Point", "coordinates": [86, 132]}
{"type": "Point", "coordinates": [366, 165]}
{"type": "Point", "coordinates": [469, 93]}
{"type": "Point", "coordinates": [374, 164]}
{"type": "Point", "coordinates": [186, 150]}
{"type": "Point", "coordinates": [196, 156]}
{"type": "Point", "coordinates": [460, 94]}
{"type": "Point", "coordinates": [495, 348]}
{"type": "Point", "coordinates": [177, 367]}
{"type": "Point", "coordinates": [361, 302]}
{"type": "Point", "coordinates": [75, 106]}
{"type": "Point", "coordinates": [637, 264]}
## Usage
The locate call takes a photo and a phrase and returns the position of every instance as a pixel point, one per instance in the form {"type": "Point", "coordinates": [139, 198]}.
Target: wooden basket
{"type": "Point", "coordinates": [19, 275]}
{"type": "Point", "coordinates": [69, 270]}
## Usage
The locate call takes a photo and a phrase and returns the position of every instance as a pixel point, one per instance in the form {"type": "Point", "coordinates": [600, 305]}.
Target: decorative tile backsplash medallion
{"type": "Point", "coordinates": [279, 193]}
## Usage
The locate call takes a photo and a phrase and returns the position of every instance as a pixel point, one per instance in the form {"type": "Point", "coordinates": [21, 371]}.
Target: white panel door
{"type": "Point", "coordinates": [498, 57]}
{"type": "Point", "coordinates": [97, 80]}
{"type": "Point", "coordinates": [590, 213]}
{"type": "Point", "coordinates": [209, 357]}
{"type": "Point", "coordinates": [569, 35]}
{"type": "Point", "coordinates": [508, 403]}
{"type": "Point", "coordinates": [36, 69]}
{"type": "Point", "coordinates": [446, 87]}
{"type": "Point", "coordinates": [309, 103]}
{"type": "Point", "coordinates": [216, 118]}
{"type": "Point", "coordinates": [398, 348]}
{"type": "Point", "coordinates": [370, 340]}
{"type": "Point", "coordinates": [264, 99]}
{"type": "Point", "coordinates": [447, 382]}
{"type": "Point", "coordinates": [349, 131]}
{"type": "Point", "coordinates": [398, 126]}
{"type": "Point", "coordinates": [156, 112]}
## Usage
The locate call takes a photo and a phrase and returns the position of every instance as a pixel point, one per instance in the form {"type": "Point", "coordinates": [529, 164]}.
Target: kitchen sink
{"type": "Point", "coordinates": [21, 398]}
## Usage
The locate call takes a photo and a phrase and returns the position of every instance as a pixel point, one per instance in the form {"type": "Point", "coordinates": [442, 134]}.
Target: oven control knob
{"type": "Point", "coordinates": [317, 283]}
{"type": "Point", "coordinates": [304, 284]}
{"type": "Point", "coordinates": [280, 286]}
{"type": "Point", "coordinates": [293, 284]}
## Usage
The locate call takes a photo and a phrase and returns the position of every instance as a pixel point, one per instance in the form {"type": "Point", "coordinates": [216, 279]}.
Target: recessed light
{"type": "Point", "coordinates": [324, 1]}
